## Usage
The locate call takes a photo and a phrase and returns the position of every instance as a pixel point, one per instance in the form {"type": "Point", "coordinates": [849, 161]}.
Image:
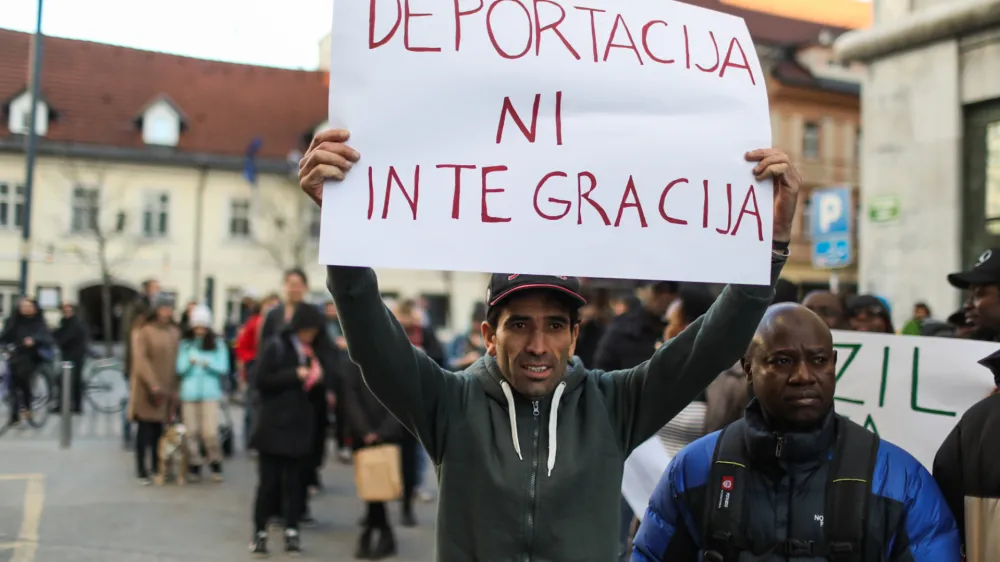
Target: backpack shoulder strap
{"type": "Point", "coordinates": [723, 536]}
{"type": "Point", "coordinates": [848, 491]}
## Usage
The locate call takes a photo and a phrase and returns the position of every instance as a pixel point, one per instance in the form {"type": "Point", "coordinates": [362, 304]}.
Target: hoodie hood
{"type": "Point", "coordinates": [497, 388]}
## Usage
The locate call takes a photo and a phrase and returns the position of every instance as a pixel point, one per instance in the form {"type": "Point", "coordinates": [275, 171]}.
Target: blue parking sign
{"type": "Point", "coordinates": [830, 220]}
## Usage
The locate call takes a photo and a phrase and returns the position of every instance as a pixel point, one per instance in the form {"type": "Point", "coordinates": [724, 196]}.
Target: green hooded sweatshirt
{"type": "Point", "coordinates": [535, 481]}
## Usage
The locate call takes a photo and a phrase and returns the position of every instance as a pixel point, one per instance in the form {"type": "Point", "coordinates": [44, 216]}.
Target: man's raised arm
{"type": "Point", "coordinates": [410, 385]}
{"type": "Point", "coordinates": [645, 398]}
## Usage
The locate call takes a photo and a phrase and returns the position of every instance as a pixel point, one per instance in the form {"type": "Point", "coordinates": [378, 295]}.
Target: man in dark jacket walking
{"type": "Point", "coordinates": [793, 480]}
{"type": "Point", "coordinates": [73, 337]}
{"type": "Point", "coordinates": [967, 466]}
{"type": "Point", "coordinates": [529, 444]}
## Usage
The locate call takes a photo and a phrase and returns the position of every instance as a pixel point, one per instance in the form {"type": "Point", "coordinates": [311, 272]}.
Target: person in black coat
{"type": "Point", "coordinates": [33, 346]}
{"type": "Point", "coordinates": [370, 424]}
{"type": "Point", "coordinates": [289, 370]}
{"type": "Point", "coordinates": [73, 337]}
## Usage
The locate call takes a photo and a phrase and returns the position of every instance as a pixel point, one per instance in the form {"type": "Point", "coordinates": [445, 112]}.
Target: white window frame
{"type": "Point", "coordinates": [155, 218]}
{"type": "Point", "coordinates": [93, 208]}
{"type": "Point", "coordinates": [161, 125]}
{"type": "Point", "coordinates": [812, 143]}
{"type": "Point", "coordinates": [242, 202]}
{"type": "Point", "coordinates": [20, 115]}
{"type": "Point", "coordinates": [234, 304]}
{"type": "Point", "coordinates": [12, 196]}
{"type": "Point", "coordinates": [8, 298]}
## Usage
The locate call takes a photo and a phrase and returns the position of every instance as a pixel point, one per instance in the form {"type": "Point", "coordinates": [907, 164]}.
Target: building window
{"type": "Point", "coordinates": [993, 177]}
{"type": "Point", "coordinates": [239, 218]}
{"type": "Point", "coordinates": [806, 217]}
{"type": "Point", "coordinates": [315, 221]}
{"type": "Point", "coordinates": [8, 298]}
{"type": "Point", "coordinates": [11, 206]}
{"type": "Point", "coordinates": [234, 306]}
{"type": "Point", "coordinates": [156, 215]}
{"type": "Point", "coordinates": [85, 209]}
{"type": "Point", "coordinates": [810, 140]}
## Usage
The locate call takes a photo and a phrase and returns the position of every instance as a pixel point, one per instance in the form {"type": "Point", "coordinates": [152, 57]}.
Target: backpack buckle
{"type": "Point", "coordinates": [798, 548]}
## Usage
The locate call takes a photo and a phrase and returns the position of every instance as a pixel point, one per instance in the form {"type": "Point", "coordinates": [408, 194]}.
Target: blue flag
{"type": "Point", "coordinates": [250, 162]}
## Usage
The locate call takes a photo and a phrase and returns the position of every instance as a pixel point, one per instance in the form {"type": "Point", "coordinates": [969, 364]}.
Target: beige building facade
{"type": "Point", "coordinates": [930, 166]}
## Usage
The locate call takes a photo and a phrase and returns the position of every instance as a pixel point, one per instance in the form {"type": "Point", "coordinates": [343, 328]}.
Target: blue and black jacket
{"type": "Point", "coordinates": [786, 494]}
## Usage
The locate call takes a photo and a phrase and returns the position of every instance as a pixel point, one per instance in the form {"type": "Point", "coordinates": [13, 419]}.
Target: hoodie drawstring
{"type": "Point", "coordinates": [513, 417]}
{"type": "Point", "coordinates": [553, 423]}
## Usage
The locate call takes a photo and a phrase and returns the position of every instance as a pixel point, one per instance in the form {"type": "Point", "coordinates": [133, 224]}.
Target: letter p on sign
{"type": "Point", "coordinates": [831, 212]}
{"type": "Point", "coordinates": [830, 209]}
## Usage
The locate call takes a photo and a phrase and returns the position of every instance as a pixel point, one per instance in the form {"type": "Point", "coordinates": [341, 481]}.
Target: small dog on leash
{"type": "Point", "coordinates": [173, 453]}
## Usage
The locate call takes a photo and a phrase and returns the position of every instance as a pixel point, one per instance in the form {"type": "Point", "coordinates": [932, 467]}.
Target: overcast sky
{"type": "Point", "coordinates": [283, 33]}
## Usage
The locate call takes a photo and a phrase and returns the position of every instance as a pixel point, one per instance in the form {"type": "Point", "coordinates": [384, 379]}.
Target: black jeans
{"type": "Point", "coordinates": [147, 439]}
{"type": "Point", "coordinates": [20, 394]}
{"type": "Point", "coordinates": [279, 490]}
{"type": "Point", "coordinates": [376, 518]}
{"type": "Point", "coordinates": [409, 450]}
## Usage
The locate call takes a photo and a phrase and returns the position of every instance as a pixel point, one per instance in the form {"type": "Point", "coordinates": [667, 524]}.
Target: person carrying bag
{"type": "Point", "coordinates": [376, 436]}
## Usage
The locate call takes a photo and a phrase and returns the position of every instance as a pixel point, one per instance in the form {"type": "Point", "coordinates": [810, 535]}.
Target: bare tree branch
{"type": "Point", "coordinates": [286, 239]}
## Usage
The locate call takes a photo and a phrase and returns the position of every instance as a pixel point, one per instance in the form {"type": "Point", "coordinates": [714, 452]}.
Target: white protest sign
{"type": "Point", "coordinates": [549, 137]}
{"type": "Point", "coordinates": [909, 390]}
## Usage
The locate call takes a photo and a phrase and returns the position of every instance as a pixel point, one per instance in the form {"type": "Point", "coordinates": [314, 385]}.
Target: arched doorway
{"type": "Point", "coordinates": [91, 302]}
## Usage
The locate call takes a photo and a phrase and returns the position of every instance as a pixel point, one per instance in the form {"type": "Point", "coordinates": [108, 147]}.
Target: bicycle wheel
{"type": "Point", "coordinates": [41, 394]}
{"type": "Point", "coordinates": [105, 388]}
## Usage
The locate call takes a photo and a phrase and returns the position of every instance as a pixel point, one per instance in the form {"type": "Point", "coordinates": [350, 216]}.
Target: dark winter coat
{"type": "Point", "coordinates": [967, 467]}
{"type": "Point", "coordinates": [287, 419]}
{"type": "Point", "coordinates": [25, 360]}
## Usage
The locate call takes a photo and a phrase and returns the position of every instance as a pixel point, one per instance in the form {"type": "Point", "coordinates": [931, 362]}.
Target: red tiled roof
{"type": "Point", "coordinates": [769, 28]}
{"type": "Point", "coordinates": [98, 91]}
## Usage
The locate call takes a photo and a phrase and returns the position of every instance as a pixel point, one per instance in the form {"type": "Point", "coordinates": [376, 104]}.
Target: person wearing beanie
{"type": "Point", "coordinates": [202, 362]}
{"type": "Point", "coordinates": [289, 370]}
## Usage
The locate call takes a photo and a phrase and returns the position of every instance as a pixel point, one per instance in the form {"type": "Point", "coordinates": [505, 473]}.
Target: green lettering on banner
{"type": "Point", "coordinates": [855, 348]}
{"type": "Point", "coordinates": [870, 425]}
{"type": "Point", "coordinates": [885, 378]}
{"type": "Point", "coordinates": [915, 381]}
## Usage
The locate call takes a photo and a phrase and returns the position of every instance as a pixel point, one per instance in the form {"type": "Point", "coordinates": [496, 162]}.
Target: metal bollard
{"type": "Point", "coordinates": [66, 423]}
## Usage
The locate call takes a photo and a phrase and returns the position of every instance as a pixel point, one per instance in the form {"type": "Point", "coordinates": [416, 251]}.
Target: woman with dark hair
{"type": "Point", "coordinates": [288, 369]}
{"type": "Point", "coordinates": [33, 345]}
{"type": "Point", "coordinates": [202, 363]}
{"type": "Point", "coordinates": [868, 313]}
{"type": "Point", "coordinates": [153, 380]}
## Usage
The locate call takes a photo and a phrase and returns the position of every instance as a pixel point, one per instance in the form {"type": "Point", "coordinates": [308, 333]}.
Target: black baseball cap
{"type": "Point", "coordinates": [985, 272]}
{"type": "Point", "coordinates": [503, 285]}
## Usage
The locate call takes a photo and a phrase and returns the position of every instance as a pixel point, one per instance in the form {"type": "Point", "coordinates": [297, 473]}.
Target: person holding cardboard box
{"type": "Point", "coordinates": [529, 444]}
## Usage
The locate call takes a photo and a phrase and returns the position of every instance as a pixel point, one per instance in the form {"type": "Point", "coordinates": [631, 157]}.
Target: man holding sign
{"type": "Point", "coordinates": [528, 443]}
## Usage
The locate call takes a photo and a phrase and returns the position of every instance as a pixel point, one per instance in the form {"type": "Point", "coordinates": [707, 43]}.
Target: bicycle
{"type": "Point", "coordinates": [41, 391]}
{"type": "Point", "coordinates": [104, 385]}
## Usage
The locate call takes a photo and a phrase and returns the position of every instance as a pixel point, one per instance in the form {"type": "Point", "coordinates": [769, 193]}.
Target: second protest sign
{"type": "Point", "coordinates": [549, 137]}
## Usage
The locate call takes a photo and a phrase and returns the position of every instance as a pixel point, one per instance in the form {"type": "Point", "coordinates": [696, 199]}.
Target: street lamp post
{"type": "Point", "coordinates": [29, 174]}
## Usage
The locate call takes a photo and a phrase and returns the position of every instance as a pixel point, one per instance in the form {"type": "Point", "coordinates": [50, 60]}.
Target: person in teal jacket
{"type": "Point", "coordinates": [202, 364]}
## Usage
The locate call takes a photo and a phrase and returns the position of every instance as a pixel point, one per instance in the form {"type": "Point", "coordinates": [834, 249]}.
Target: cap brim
{"type": "Point", "coordinates": [544, 286]}
{"type": "Point", "coordinates": [966, 279]}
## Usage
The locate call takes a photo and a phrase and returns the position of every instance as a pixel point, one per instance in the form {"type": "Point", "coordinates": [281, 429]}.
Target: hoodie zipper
{"type": "Point", "coordinates": [779, 446]}
{"type": "Point", "coordinates": [533, 481]}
